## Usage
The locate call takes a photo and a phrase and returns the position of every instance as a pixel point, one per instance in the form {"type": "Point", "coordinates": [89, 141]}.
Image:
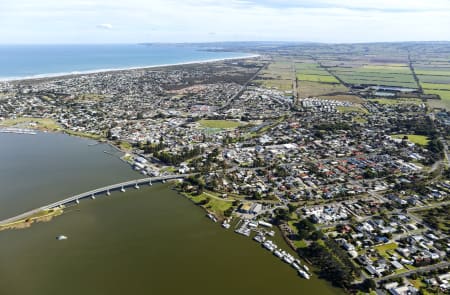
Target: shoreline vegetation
{"type": "Point", "coordinates": [41, 216]}
{"type": "Point", "coordinates": [46, 125]}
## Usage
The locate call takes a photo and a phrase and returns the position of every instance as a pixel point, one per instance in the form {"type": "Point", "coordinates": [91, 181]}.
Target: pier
{"type": "Point", "coordinates": [91, 194]}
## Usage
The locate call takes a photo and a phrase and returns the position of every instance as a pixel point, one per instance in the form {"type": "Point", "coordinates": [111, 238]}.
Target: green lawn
{"type": "Point", "coordinates": [352, 110]}
{"type": "Point", "coordinates": [215, 204]}
{"type": "Point", "coordinates": [221, 124]}
{"type": "Point", "coordinates": [40, 123]}
{"type": "Point", "coordinates": [83, 134]}
{"type": "Point", "coordinates": [383, 249]}
{"type": "Point", "coordinates": [435, 86]}
{"type": "Point", "coordinates": [125, 146]}
{"type": "Point", "coordinates": [44, 124]}
{"type": "Point", "coordinates": [417, 139]}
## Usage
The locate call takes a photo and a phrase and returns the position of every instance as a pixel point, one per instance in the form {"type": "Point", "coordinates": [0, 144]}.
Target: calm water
{"type": "Point", "coordinates": [147, 241]}
{"type": "Point", "coordinates": [18, 61]}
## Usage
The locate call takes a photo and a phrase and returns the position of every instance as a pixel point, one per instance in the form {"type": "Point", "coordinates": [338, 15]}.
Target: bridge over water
{"type": "Point", "coordinates": [91, 194]}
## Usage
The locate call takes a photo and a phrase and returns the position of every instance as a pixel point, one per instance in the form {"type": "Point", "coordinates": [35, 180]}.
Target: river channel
{"type": "Point", "coordinates": [146, 241]}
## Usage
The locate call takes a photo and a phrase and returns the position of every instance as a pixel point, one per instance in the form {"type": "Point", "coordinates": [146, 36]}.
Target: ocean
{"type": "Point", "coordinates": [34, 61]}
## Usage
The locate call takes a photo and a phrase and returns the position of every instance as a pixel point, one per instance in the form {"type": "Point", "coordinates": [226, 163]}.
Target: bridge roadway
{"type": "Point", "coordinates": [102, 190]}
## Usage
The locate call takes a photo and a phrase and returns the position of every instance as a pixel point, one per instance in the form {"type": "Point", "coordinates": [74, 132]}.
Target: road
{"type": "Point", "coordinates": [418, 270]}
{"type": "Point", "coordinates": [242, 89]}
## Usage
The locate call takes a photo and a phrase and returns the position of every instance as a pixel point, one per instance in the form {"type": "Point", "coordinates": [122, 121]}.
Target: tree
{"type": "Point", "coordinates": [291, 208]}
{"type": "Point", "coordinates": [369, 284]}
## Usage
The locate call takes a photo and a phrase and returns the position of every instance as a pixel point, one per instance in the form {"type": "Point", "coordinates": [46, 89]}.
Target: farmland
{"type": "Point", "coordinates": [405, 73]}
{"type": "Point", "coordinates": [307, 89]}
{"type": "Point", "coordinates": [279, 75]}
{"type": "Point", "coordinates": [376, 74]}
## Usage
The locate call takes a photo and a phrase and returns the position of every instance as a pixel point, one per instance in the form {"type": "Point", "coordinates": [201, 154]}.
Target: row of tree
{"type": "Point", "coordinates": [177, 158]}
{"type": "Point", "coordinates": [334, 263]}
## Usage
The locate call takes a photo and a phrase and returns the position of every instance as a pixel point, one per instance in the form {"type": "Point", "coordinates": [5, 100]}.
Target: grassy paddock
{"type": "Point", "coordinates": [221, 124]}
{"type": "Point", "coordinates": [383, 249]}
{"type": "Point", "coordinates": [417, 139]}
{"type": "Point", "coordinates": [445, 98]}
{"type": "Point", "coordinates": [436, 86]}
{"type": "Point", "coordinates": [35, 123]}
{"type": "Point", "coordinates": [352, 110]}
{"type": "Point", "coordinates": [396, 101]}
{"type": "Point", "coordinates": [318, 78]}
{"type": "Point", "coordinates": [215, 204]}
{"type": "Point", "coordinates": [307, 89]}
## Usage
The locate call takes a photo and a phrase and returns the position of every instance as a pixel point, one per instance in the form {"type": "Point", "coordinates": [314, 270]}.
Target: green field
{"type": "Point", "coordinates": [40, 123]}
{"type": "Point", "coordinates": [435, 79]}
{"type": "Point", "coordinates": [307, 89]}
{"type": "Point", "coordinates": [445, 95]}
{"type": "Point", "coordinates": [435, 86]}
{"type": "Point", "coordinates": [383, 249]}
{"type": "Point", "coordinates": [375, 74]}
{"type": "Point", "coordinates": [215, 204]}
{"type": "Point", "coordinates": [417, 139]}
{"type": "Point", "coordinates": [352, 110]}
{"type": "Point", "coordinates": [219, 124]}
{"type": "Point", "coordinates": [396, 101]}
{"type": "Point", "coordinates": [432, 72]}
{"type": "Point", "coordinates": [282, 85]}
{"type": "Point", "coordinates": [400, 80]}
{"type": "Point", "coordinates": [318, 78]}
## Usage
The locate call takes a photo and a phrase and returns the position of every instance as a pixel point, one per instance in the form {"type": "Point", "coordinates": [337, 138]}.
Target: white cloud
{"type": "Point", "coordinates": [105, 26]}
{"type": "Point", "coordinates": [71, 21]}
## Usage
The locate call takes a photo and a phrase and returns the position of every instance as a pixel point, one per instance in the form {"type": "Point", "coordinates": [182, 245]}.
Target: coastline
{"type": "Point", "coordinates": [120, 69]}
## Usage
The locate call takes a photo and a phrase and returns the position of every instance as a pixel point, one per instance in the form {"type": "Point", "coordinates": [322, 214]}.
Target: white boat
{"type": "Point", "coordinates": [212, 217]}
{"type": "Point", "coordinates": [278, 254]}
{"type": "Point", "coordinates": [122, 190]}
{"type": "Point", "coordinates": [108, 193]}
{"type": "Point", "coordinates": [271, 233]}
{"type": "Point", "coordinates": [136, 186]}
{"type": "Point", "coordinates": [305, 267]}
{"type": "Point", "coordinates": [226, 225]}
{"type": "Point", "coordinates": [259, 238]}
{"type": "Point", "coordinates": [269, 245]}
{"type": "Point", "coordinates": [61, 237]}
{"type": "Point", "coordinates": [288, 259]}
{"type": "Point", "coordinates": [296, 266]}
{"type": "Point", "coordinates": [303, 274]}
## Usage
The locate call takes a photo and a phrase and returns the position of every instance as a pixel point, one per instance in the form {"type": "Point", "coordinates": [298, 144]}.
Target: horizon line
{"type": "Point", "coordinates": [216, 42]}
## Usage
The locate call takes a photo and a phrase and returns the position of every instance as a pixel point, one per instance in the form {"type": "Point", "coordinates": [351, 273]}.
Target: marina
{"type": "Point", "coordinates": [245, 227]}
{"type": "Point", "coordinates": [154, 228]}
{"type": "Point", "coordinates": [17, 131]}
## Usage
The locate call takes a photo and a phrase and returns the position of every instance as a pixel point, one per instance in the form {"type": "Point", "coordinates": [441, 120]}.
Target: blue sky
{"type": "Point", "coordinates": [130, 21]}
